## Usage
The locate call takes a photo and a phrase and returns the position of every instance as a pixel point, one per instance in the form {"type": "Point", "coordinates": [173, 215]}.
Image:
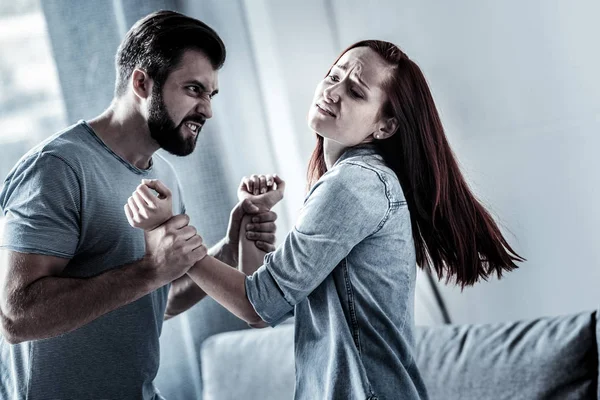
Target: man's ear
{"type": "Point", "coordinates": [141, 83]}
{"type": "Point", "coordinates": [387, 128]}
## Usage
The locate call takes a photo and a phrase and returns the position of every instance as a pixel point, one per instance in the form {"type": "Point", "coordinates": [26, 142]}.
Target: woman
{"type": "Point", "coordinates": [385, 194]}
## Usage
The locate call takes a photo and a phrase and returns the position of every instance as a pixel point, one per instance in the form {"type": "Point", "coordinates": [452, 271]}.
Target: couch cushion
{"type": "Point", "coordinates": [547, 358]}
{"type": "Point", "coordinates": [252, 364]}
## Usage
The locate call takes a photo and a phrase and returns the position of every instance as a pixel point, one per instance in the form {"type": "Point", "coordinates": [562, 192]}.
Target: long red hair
{"type": "Point", "coordinates": [453, 233]}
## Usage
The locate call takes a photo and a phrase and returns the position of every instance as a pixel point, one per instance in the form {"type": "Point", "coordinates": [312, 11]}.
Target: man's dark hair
{"type": "Point", "coordinates": [156, 44]}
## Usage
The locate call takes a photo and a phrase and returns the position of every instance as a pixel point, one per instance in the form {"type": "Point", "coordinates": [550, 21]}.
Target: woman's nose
{"type": "Point", "coordinates": [331, 94]}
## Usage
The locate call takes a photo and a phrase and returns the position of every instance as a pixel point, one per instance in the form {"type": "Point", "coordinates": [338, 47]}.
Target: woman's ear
{"type": "Point", "coordinates": [141, 83]}
{"type": "Point", "coordinates": [387, 127]}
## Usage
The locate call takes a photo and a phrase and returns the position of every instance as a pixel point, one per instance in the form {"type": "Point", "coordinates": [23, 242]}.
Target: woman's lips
{"type": "Point", "coordinates": [325, 112]}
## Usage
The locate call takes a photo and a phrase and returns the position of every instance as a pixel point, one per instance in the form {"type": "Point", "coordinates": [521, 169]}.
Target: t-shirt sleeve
{"type": "Point", "coordinates": [345, 206]}
{"type": "Point", "coordinates": [41, 201]}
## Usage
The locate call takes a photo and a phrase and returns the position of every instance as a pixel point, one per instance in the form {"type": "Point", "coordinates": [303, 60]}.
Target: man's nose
{"type": "Point", "coordinates": [205, 108]}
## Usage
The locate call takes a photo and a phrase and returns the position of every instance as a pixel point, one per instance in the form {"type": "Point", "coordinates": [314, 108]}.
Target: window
{"type": "Point", "coordinates": [31, 105]}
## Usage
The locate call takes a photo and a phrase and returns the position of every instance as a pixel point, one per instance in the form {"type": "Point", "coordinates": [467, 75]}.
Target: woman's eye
{"type": "Point", "coordinates": [334, 78]}
{"type": "Point", "coordinates": [356, 94]}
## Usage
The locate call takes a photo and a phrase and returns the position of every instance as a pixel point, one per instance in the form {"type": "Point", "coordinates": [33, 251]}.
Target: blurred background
{"type": "Point", "coordinates": [515, 82]}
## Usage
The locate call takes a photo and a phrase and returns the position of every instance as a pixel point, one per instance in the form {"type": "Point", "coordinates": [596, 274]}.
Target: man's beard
{"type": "Point", "coordinates": [165, 132]}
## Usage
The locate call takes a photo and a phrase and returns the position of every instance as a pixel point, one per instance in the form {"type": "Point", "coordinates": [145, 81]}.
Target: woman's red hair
{"type": "Point", "coordinates": [453, 233]}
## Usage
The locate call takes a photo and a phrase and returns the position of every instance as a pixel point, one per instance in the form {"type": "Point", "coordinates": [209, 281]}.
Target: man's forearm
{"type": "Point", "coordinates": [184, 294]}
{"type": "Point", "coordinates": [53, 306]}
{"type": "Point", "coordinates": [226, 252]}
{"type": "Point", "coordinates": [251, 257]}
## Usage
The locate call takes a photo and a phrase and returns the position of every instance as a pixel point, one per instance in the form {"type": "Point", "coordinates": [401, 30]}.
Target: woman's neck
{"type": "Point", "coordinates": [332, 151]}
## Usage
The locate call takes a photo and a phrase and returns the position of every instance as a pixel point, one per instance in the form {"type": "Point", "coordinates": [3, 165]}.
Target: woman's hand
{"type": "Point", "coordinates": [264, 191]}
{"type": "Point", "coordinates": [146, 210]}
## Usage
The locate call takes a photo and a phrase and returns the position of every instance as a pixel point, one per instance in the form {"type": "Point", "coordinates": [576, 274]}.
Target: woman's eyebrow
{"type": "Point", "coordinates": [344, 67]}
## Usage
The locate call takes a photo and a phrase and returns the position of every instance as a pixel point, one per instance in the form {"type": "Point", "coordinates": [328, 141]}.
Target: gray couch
{"type": "Point", "coordinates": [546, 358]}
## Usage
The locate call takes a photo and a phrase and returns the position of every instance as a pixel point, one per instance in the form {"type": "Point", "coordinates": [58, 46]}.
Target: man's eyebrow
{"type": "Point", "coordinates": [201, 86]}
{"type": "Point", "coordinates": [344, 67]}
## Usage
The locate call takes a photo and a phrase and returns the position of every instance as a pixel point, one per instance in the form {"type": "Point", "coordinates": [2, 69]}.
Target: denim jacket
{"type": "Point", "coordinates": [347, 271]}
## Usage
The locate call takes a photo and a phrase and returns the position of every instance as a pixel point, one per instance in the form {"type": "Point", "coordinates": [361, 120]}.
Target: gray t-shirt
{"type": "Point", "coordinates": [65, 198]}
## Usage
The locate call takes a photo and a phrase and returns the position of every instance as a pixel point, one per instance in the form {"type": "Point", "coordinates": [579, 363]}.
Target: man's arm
{"type": "Point", "coordinates": [183, 294]}
{"type": "Point", "coordinates": [251, 257]}
{"type": "Point", "coordinates": [149, 211]}
{"type": "Point", "coordinates": [36, 302]}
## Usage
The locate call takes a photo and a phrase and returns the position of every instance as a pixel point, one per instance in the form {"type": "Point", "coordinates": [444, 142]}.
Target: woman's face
{"type": "Point", "coordinates": [347, 102]}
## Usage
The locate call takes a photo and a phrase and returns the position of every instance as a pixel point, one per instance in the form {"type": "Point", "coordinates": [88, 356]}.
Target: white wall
{"type": "Point", "coordinates": [518, 89]}
{"type": "Point", "coordinates": [516, 84]}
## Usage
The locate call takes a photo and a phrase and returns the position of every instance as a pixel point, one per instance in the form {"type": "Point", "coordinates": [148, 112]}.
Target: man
{"type": "Point", "coordinates": [82, 294]}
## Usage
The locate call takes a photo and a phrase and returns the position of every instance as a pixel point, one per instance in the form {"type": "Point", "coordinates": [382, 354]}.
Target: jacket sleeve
{"type": "Point", "coordinates": [346, 205]}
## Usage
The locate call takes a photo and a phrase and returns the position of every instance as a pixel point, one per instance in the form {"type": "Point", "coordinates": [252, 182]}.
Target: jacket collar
{"type": "Point", "coordinates": [366, 149]}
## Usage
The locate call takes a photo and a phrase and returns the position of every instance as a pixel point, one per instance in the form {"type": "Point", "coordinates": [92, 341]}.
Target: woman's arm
{"type": "Point", "coordinates": [264, 191]}
{"type": "Point", "coordinates": [254, 233]}
{"type": "Point", "coordinates": [227, 286]}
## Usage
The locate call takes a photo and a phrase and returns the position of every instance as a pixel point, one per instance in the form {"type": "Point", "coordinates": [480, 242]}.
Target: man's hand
{"type": "Point", "coordinates": [172, 245]}
{"type": "Point", "coordinates": [261, 228]}
{"type": "Point", "coordinates": [173, 248]}
{"type": "Point", "coordinates": [145, 210]}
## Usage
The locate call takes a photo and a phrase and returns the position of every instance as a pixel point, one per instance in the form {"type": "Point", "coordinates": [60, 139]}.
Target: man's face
{"type": "Point", "coordinates": [179, 107]}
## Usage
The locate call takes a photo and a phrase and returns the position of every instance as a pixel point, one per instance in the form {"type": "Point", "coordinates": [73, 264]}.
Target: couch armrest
{"type": "Point", "coordinates": [250, 364]}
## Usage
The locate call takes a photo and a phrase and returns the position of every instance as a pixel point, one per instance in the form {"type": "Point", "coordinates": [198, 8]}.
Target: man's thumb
{"type": "Point", "coordinates": [249, 207]}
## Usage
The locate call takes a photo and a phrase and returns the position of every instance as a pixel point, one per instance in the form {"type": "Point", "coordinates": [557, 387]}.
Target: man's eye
{"type": "Point", "coordinates": [194, 89]}
{"type": "Point", "coordinates": [334, 78]}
